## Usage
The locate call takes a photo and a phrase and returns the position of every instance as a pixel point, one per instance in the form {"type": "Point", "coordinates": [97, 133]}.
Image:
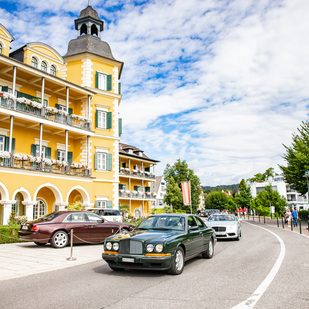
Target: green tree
{"type": "Point", "coordinates": [216, 200]}
{"type": "Point", "coordinates": [175, 174]}
{"type": "Point", "coordinates": [266, 198]}
{"type": "Point", "coordinates": [243, 198]}
{"type": "Point", "coordinates": [173, 195]}
{"type": "Point", "coordinates": [297, 158]}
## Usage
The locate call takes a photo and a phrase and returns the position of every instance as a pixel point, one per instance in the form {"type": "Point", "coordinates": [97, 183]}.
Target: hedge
{"type": "Point", "coordinates": [9, 234]}
{"type": "Point", "coordinates": [303, 214]}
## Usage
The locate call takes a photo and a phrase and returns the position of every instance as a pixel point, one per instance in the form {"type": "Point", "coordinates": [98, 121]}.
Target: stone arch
{"type": "Point", "coordinates": [83, 192]}
{"type": "Point", "coordinates": [54, 189]}
{"type": "Point", "coordinates": [4, 192]}
{"type": "Point", "coordinates": [24, 192]}
{"type": "Point", "coordinates": [94, 30]}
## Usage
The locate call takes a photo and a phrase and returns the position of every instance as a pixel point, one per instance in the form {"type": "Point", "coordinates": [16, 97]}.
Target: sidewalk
{"type": "Point", "coordinates": [24, 259]}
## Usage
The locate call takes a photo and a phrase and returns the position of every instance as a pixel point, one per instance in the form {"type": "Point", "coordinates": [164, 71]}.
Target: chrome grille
{"type": "Point", "coordinates": [128, 246]}
{"type": "Point", "coordinates": [219, 228]}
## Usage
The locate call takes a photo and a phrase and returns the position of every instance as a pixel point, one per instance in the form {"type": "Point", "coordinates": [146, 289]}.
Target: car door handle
{"type": "Point", "coordinates": [89, 224]}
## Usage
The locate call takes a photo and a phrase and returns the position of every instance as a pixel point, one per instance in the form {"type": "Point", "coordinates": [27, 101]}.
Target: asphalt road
{"type": "Point", "coordinates": [236, 271]}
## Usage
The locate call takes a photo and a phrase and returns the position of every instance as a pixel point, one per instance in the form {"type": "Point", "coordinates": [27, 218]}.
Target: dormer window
{"type": "Point", "coordinates": [130, 151]}
{"type": "Point", "coordinates": [44, 66]}
{"type": "Point", "coordinates": [53, 70]}
{"type": "Point", "coordinates": [140, 153]}
{"type": "Point", "coordinates": [34, 62]}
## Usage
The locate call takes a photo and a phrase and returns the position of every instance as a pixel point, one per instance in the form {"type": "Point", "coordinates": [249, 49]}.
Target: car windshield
{"type": "Point", "coordinates": [163, 223]}
{"type": "Point", "coordinates": [222, 218]}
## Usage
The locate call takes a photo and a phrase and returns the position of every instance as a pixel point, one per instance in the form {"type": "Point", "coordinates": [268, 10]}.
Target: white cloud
{"type": "Point", "coordinates": [220, 84]}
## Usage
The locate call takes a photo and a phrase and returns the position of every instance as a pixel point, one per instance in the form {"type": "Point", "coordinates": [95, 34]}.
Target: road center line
{"type": "Point", "coordinates": [254, 298]}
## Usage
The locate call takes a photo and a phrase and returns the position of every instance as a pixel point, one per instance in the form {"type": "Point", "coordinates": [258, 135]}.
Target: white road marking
{"type": "Point", "coordinates": [258, 293]}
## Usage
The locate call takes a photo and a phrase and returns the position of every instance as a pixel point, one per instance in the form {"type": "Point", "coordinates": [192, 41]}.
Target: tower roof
{"type": "Point", "coordinates": [89, 11]}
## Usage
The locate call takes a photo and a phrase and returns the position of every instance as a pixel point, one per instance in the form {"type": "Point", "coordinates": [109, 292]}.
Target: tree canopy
{"type": "Point", "coordinates": [174, 175]}
{"type": "Point", "coordinates": [217, 200]}
{"type": "Point", "coordinates": [244, 197]}
{"type": "Point", "coordinates": [297, 158]}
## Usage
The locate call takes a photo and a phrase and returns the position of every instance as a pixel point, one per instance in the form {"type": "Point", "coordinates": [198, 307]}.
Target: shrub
{"type": "Point", "coordinates": [9, 234]}
{"type": "Point", "coordinates": [303, 214]}
{"type": "Point", "coordinates": [75, 206]}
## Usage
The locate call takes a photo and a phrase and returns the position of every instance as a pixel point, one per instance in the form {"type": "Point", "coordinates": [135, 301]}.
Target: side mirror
{"type": "Point", "coordinates": [193, 228]}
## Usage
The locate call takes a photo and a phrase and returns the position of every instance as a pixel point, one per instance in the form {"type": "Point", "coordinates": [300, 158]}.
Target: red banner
{"type": "Point", "coordinates": [186, 192]}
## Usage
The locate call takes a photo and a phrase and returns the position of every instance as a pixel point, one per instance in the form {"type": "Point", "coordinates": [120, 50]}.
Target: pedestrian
{"type": "Point", "coordinates": [288, 217]}
{"type": "Point", "coordinates": [294, 217]}
{"type": "Point", "coordinates": [285, 217]}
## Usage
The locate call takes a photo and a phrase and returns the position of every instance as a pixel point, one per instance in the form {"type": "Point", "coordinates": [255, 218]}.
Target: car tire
{"type": "Point", "coordinates": [238, 236]}
{"type": "Point", "coordinates": [40, 243]}
{"type": "Point", "coordinates": [209, 253]}
{"type": "Point", "coordinates": [178, 262]}
{"type": "Point", "coordinates": [59, 239]}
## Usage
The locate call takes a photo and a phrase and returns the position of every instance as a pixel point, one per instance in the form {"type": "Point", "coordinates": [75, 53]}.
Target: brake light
{"type": "Point", "coordinates": [35, 228]}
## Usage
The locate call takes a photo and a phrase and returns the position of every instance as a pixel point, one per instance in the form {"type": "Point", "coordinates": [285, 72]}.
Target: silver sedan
{"type": "Point", "coordinates": [225, 226]}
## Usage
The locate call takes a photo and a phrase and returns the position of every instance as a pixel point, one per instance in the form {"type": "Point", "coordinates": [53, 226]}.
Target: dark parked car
{"type": "Point", "coordinates": [160, 242]}
{"type": "Point", "coordinates": [55, 228]}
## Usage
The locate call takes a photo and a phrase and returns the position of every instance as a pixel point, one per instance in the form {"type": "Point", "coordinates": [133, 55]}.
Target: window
{"type": "Point", "coordinates": [103, 119]}
{"type": "Point", "coordinates": [46, 151]}
{"type": "Point", "coordinates": [103, 161]}
{"type": "Point", "coordinates": [44, 66]}
{"type": "Point", "coordinates": [61, 155]}
{"type": "Point", "coordinates": [39, 209]}
{"type": "Point", "coordinates": [53, 70]}
{"type": "Point", "coordinates": [34, 62]}
{"type": "Point", "coordinates": [0, 48]}
{"type": "Point", "coordinates": [1, 143]}
{"type": "Point", "coordinates": [100, 204]}
{"type": "Point", "coordinates": [103, 81]}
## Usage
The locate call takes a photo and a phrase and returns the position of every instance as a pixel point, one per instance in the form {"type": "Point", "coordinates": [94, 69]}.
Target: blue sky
{"type": "Point", "coordinates": [221, 84]}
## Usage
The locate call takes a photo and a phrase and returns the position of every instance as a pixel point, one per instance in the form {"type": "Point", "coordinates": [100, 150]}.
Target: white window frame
{"type": "Point", "coordinates": [37, 151]}
{"type": "Point", "coordinates": [102, 81]}
{"type": "Point", "coordinates": [101, 161]}
{"type": "Point", "coordinates": [101, 203]}
{"type": "Point", "coordinates": [102, 119]}
{"type": "Point", "coordinates": [44, 68]}
{"type": "Point", "coordinates": [39, 209]}
{"type": "Point", "coordinates": [61, 155]}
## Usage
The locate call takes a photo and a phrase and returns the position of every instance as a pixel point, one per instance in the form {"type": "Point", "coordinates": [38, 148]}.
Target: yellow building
{"type": "Point", "coordinates": [59, 123]}
{"type": "Point", "coordinates": [137, 172]}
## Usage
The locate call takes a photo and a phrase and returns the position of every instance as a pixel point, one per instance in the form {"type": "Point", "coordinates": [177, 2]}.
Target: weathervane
{"type": "Point", "coordinates": [88, 2]}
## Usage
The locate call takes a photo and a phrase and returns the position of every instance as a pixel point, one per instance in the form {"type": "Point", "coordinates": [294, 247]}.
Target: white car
{"type": "Point", "coordinates": [225, 226]}
{"type": "Point", "coordinates": [108, 214]}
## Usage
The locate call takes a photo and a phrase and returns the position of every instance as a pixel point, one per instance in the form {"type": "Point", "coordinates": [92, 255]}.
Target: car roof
{"type": "Point", "coordinates": [173, 215]}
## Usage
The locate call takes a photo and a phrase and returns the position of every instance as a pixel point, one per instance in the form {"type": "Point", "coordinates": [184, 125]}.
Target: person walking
{"type": "Point", "coordinates": [288, 216]}
{"type": "Point", "coordinates": [294, 217]}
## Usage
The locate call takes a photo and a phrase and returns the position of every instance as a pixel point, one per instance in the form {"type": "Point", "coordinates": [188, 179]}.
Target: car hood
{"type": "Point", "coordinates": [146, 235]}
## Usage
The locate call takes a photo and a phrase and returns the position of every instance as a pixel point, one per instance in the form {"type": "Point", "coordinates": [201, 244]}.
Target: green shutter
{"type": "Point", "coordinates": [57, 106]}
{"type": "Point", "coordinates": [147, 189]}
{"type": "Point", "coordinates": [97, 79]}
{"type": "Point", "coordinates": [119, 88]}
{"type": "Point", "coordinates": [96, 161]}
{"type": "Point", "coordinates": [5, 88]}
{"type": "Point", "coordinates": [108, 120]}
{"type": "Point", "coordinates": [135, 188]}
{"type": "Point", "coordinates": [147, 169]}
{"type": "Point", "coordinates": [120, 126]}
{"type": "Point", "coordinates": [96, 118]}
{"type": "Point", "coordinates": [96, 204]}
{"type": "Point", "coordinates": [109, 204]}
{"type": "Point", "coordinates": [70, 156]}
{"type": "Point", "coordinates": [109, 161]}
{"type": "Point", "coordinates": [33, 150]}
{"type": "Point", "coordinates": [13, 145]}
{"type": "Point", "coordinates": [6, 143]}
{"type": "Point", "coordinates": [48, 152]}
{"type": "Point", "coordinates": [120, 186]}
{"type": "Point", "coordinates": [70, 111]}
{"type": "Point", "coordinates": [109, 83]}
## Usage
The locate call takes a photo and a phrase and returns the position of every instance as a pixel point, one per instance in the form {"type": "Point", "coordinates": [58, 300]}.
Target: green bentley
{"type": "Point", "coordinates": [160, 242]}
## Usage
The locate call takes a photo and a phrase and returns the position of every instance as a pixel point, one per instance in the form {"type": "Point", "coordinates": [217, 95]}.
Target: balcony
{"type": "Point", "coordinates": [124, 171]}
{"type": "Point", "coordinates": [136, 195]}
{"type": "Point", "coordinates": [25, 162]}
{"type": "Point", "coordinates": [32, 106]}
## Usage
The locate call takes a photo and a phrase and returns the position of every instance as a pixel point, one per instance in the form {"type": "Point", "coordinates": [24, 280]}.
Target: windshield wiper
{"type": "Point", "coordinates": [160, 228]}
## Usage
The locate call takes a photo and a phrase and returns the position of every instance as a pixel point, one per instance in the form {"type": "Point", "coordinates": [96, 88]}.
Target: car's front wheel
{"type": "Point", "coordinates": [178, 262]}
{"type": "Point", "coordinates": [208, 254]}
{"type": "Point", "coordinates": [59, 239]}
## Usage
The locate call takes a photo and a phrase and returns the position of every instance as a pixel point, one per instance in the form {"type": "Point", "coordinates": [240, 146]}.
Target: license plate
{"type": "Point", "coordinates": [129, 260]}
{"type": "Point", "coordinates": [24, 227]}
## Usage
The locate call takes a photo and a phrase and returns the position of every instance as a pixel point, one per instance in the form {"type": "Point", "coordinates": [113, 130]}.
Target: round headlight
{"type": "Point", "coordinates": [108, 245]}
{"type": "Point", "coordinates": [159, 248]}
{"type": "Point", "coordinates": [116, 246]}
{"type": "Point", "coordinates": [149, 247]}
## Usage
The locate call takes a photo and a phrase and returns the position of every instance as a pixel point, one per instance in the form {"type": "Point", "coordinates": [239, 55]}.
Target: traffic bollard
{"type": "Point", "coordinates": [71, 258]}
{"type": "Point", "coordinates": [300, 226]}
{"type": "Point", "coordinates": [282, 223]}
{"type": "Point", "coordinates": [277, 222]}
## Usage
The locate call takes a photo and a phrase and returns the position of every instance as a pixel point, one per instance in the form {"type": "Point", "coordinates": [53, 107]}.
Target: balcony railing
{"type": "Point", "coordinates": [43, 165]}
{"type": "Point", "coordinates": [34, 108]}
{"type": "Point", "coordinates": [136, 194]}
{"type": "Point", "coordinates": [136, 173]}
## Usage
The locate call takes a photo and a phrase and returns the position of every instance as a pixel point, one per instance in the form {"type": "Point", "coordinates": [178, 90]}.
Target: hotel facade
{"type": "Point", "coordinates": [59, 123]}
